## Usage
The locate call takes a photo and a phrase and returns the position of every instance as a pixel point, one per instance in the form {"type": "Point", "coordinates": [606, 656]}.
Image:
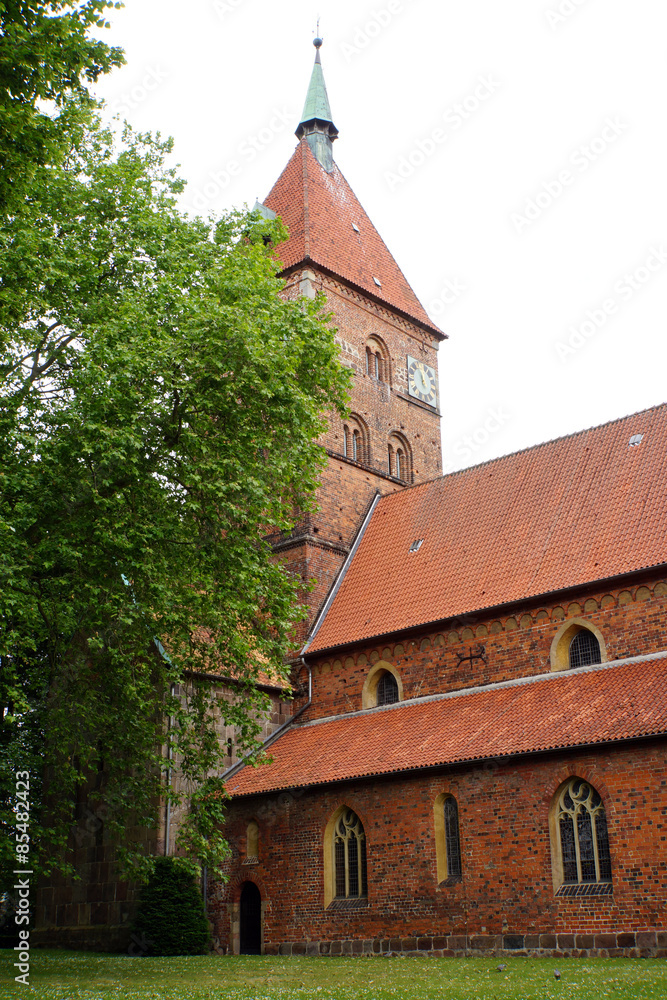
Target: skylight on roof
{"type": "Point", "coordinates": [416, 545]}
{"type": "Point", "coordinates": [377, 282]}
{"type": "Point", "coordinates": [356, 227]}
{"type": "Point", "coordinates": [636, 439]}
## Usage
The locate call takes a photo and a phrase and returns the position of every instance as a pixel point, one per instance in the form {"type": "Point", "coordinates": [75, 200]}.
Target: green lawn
{"type": "Point", "coordinates": [72, 975]}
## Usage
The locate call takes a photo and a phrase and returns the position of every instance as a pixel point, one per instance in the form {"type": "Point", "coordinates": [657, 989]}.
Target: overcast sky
{"type": "Point", "coordinates": [512, 155]}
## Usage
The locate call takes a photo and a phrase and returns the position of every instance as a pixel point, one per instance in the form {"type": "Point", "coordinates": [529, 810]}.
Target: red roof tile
{"type": "Point", "coordinates": [559, 515]}
{"type": "Point", "coordinates": [319, 209]}
{"type": "Point", "coordinates": [553, 711]}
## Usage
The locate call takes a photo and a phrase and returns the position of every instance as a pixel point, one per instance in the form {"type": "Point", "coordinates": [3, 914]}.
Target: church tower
{"type": "Point", "coordinates": [392, 436]}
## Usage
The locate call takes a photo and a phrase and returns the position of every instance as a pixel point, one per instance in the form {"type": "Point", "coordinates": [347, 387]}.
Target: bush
{"type": "Point", "coordinates": [170, 918]}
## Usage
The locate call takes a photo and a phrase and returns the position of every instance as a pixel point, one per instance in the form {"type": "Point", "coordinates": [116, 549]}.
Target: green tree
{"type": "Point", "coordinates": [170, 917]}
{"type": "Point", "coordinates": [47, 58]}
{"type": "Point", "coordinates": [159, 410]}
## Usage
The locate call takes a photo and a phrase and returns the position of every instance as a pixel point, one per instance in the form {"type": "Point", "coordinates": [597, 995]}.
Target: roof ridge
{"type": "Point", "coordinates": [495, 686]}
{"type": "Point", "coordinates": [561, 437]}
{"type": "Point", "coordinates": [522, 451]}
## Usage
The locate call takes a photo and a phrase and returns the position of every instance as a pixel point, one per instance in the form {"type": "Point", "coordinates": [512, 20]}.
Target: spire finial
{"type": "Point", "coordinates": [316, 124]}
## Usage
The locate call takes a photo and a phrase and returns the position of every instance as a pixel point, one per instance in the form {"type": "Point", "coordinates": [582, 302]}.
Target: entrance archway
{"type": "Point", "coordinates": [251, 920]}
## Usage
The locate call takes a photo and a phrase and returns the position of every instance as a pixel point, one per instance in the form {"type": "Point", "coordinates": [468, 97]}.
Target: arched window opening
{"type": "Point", "coordinates": [346, 441]}
{"type": "Point", "coordinates": [252, 840]}
{"type": "Point", "coordinates": [583, 839]}
{"type": "Point", "coordinates": [400, 464]}
{"type": "Point", "coordinates": [357, 451]}
{"type": "Point", "coordinates": [390, 459]}
{"type": "Point", "coordinates": [349, 846]}
{"type": "Point", "coordinates": [584, 649]}
{"type": "Point", "coordinates": [387, 690]}
{"type": "Point", "coordinates": [378, 364]}
{"type": "Point", "coordinates": [452, 842]}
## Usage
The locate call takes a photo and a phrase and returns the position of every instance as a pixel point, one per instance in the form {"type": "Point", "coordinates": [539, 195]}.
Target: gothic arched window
{"type": "Point", "coordinates": [584, 649]}
{"type": "Point", "coordinates": [346, 440]}
{"type": "Point", "coordinates": [387, 690]}
{"type": "Point", "coordinates": [447, 840]}
{"type": "Point", "coordinates": [579, 823]}
{"type": "Point", "coordinates": [349, 848]}
{"type": "Point", "coordinates": [452, 843]}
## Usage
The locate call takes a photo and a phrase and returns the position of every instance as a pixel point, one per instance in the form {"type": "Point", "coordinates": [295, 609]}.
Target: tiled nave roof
{"type": "Point", "coordinates": [601, 704]}
{"type": "Point", "coordinates": [587, 507]}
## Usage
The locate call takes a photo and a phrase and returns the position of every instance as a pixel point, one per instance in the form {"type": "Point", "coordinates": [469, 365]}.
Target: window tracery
{"type": "Point", "coordinates": [349, 845]}
{"type": "Point", "coordinates": [580, 823]}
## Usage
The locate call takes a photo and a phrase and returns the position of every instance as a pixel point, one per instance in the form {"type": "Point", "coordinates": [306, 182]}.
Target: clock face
{"type": "Point", "coordinates": [422, 381]}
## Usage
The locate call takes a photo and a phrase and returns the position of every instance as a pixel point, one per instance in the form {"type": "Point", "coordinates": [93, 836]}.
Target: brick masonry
{"type": "Point", "coordinates": [631, 618]}
{"type": "Point", "coordinates": [318, 546]}
{"type": "Point", "coordinates": [505, 901]}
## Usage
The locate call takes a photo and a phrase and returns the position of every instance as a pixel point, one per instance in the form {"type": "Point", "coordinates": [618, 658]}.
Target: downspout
{"type": "Point", "coordinates": [231, 771]}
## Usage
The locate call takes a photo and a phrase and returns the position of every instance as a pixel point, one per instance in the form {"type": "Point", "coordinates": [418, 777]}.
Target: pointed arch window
{"type": "Point", "coordinates": [387, 690]}
{"type": "Point", "coordinates": [452, 842]}
{"type": "Point", "coordinates": [346, 441]}
{"type": "Point", "coordinates": [349, 845]}
{"type": "Point", "coordinates": [447, 839]}
{"type": "Point", "coordinates": [579, 823]}
{"type": "Point", "coordinates": [584, 649]}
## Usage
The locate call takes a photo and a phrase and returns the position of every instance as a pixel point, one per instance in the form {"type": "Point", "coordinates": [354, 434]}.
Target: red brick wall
{"type": "Point", "coordinates": [319, 544]}
{"type": "Point", "coordinates": [506, 898]}
{"type": "Point", "coordinates": [631, 618]}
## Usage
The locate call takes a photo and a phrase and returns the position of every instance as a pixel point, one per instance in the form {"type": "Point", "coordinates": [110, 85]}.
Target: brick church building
{"type": "Point", "coordinates": [475, 757]}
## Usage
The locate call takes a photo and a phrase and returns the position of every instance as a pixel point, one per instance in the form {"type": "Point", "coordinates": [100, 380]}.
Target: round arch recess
{"type": "Point", "coordinates": [369, 690]}
{"type": "Point", "coordinates": [560, 647]}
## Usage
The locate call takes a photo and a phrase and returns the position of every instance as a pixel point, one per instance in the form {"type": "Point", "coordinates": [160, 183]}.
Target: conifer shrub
{"type": "Point", "coordinates": [170, 917]}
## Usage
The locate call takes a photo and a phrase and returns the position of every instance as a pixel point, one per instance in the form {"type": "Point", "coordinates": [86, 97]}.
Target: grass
{"type": "Point", "coordinates": [62, 975]}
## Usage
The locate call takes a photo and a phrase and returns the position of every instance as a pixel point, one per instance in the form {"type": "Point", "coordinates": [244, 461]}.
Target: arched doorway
{"type": "Point", "coordinates": [251, 920]}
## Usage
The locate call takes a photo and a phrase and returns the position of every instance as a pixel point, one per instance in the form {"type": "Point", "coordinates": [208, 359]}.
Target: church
{"type": "Point", "coordinates": [474, 758]}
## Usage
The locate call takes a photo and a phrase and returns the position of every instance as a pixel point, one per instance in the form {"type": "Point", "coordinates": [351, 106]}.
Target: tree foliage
{"type": "Point", "coordinates": [47, 58]}
{"type": "Point", "coordinates": [159, 410]}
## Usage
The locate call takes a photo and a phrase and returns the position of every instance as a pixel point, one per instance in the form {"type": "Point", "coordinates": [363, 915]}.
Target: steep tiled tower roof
{"type": "Point", "coordinates": [327, 225]}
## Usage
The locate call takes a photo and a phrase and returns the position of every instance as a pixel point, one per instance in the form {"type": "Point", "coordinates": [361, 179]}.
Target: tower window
{"type": "Point", "coordinates": [390, 459]}
{"type": "Point", "coordinates": [387, 690]}
{"type": "Point", "coordinates": [584, 649]}
{"type": "Point", "coordinates": [349, 843]}
{"type": "Point", "coordinates": [346, 441]}
{"type": "Point", "coordinates": [356, 446]}
{"type": "Point", "coordinates": [400, 464]}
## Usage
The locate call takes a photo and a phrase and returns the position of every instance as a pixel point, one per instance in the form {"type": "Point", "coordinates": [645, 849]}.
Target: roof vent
{"type": "Point", "coordinates": [356, 227]}
{"type": "Point", "coordinates": [377, 282]}
{"type": "Point", "coordinates": [636, 439]}
{"type": "Point", "coordinates": [416, 545]}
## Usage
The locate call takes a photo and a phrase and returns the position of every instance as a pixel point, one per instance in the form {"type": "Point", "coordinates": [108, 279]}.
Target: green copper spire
{"type": "Point", "coordinates": [316, 123]}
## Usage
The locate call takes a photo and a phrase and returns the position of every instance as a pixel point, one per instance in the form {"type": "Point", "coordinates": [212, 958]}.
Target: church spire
{"type": "Point", "coordinates": [316, 123]}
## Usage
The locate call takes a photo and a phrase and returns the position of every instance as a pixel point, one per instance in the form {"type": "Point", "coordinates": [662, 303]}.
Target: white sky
{"type": "Point", "coordinates": [575, 86]}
